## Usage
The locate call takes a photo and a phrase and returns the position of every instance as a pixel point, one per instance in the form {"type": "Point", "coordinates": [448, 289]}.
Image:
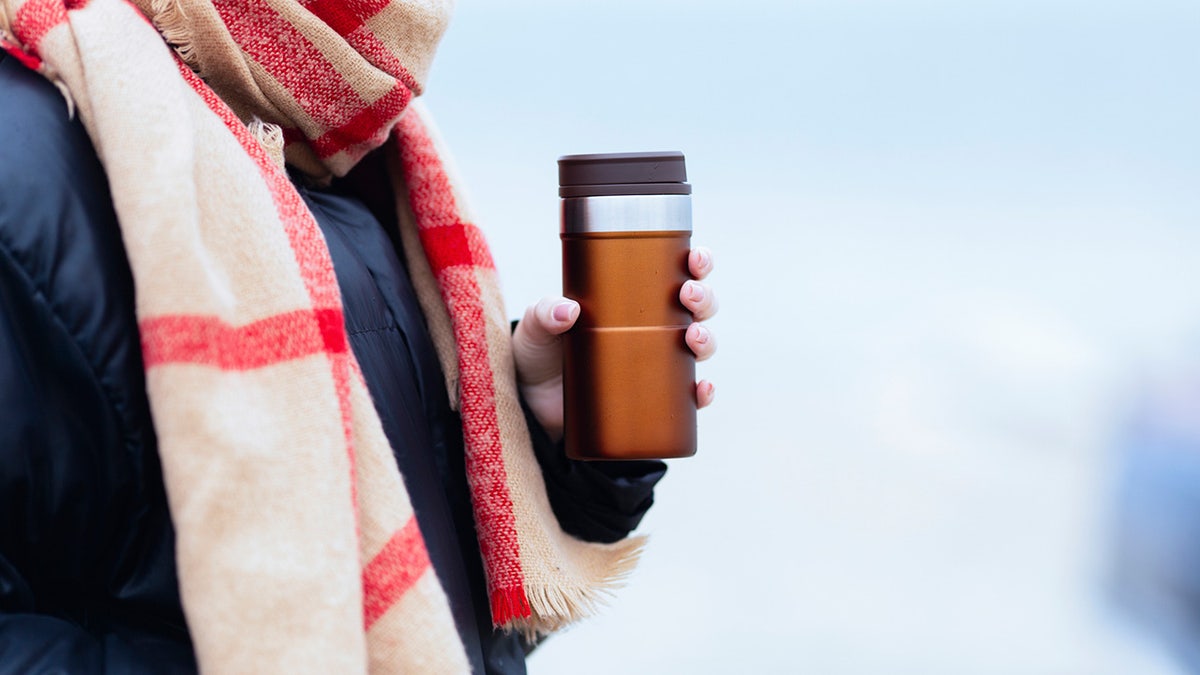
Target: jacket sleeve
{"type": "Point", "coordinates": [29, 641]}
{"type": "Point", "coordinates": [56, 505]}
{"type": "Point", "coordinates": [37, 643]}
{"type": "Point", "coordinates": [87, 582]}
{"type": "Point", "coordinates": [595, 501]}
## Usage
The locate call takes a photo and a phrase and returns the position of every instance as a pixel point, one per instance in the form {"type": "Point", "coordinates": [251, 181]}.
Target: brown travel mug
{"type": "Point", "coordinates": [628, 375]}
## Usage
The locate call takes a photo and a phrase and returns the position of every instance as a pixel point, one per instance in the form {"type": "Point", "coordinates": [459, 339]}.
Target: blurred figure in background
{"type": "Point", "coordinates": [1157, 528]}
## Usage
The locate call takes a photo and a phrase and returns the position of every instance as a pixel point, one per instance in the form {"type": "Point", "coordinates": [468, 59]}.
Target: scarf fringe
{"type": "Point", "coordinates": [270, 137]}
{"type": "Point", "coordinates": [508, 605]}
{"type": "Point", "coordinates": [66, 93]}
{"type": "Point", "coordinates": [555, 607]}
{"type": "Point", "coordinates": [171, 20]}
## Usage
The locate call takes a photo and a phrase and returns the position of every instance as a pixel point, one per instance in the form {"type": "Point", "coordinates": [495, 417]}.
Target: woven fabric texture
{"type": "Point", "coordinates": [297, 547]}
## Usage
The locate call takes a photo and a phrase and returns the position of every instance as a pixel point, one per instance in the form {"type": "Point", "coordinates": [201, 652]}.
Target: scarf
{"type": "Point", "coordinates": [297, 548]}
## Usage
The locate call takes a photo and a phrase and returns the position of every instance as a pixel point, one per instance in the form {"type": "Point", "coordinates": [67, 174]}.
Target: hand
{"type": "Point", "coordinates": [537, 344]}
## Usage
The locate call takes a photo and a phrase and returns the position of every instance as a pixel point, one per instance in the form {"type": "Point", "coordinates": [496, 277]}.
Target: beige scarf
{"type": "Point", "coordinates": [297, 549]}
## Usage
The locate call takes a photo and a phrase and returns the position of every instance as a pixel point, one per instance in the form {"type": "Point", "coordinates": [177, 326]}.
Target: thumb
{"type": "Point", "coordinates": [536, 341]}
{"type": "Point", "coordinates": [550, 317]}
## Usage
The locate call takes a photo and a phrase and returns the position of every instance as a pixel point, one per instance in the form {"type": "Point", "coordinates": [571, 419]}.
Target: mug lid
{"type": "Point", "coordinates": [623, 173]}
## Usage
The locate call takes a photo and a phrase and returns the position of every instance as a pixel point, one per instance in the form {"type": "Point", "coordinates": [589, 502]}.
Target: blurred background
{"type": "Point", "coordinates": [957, 426]}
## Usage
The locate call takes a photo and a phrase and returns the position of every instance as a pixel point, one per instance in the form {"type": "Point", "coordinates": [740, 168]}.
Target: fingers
{"type": "Point", "coordinates": [700, 262]}
{"type": "Point", "coordinates": [702, 303]}
{"type": "Point", "coordinates": [699, 299]}
{"type": "Point", "coordinates": [701, 341]}
{"type": "Point", "coordinates": [550, 317]}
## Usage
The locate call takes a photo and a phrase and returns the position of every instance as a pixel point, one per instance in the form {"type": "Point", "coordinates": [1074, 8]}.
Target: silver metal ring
{"type": "Point", "coordinates": [626, 213]}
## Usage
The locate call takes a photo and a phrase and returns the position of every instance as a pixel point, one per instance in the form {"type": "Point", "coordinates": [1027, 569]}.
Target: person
{"type": "Point", "coordinates": [1153, 555]}
{"type": "Point", "coordinates": [131, 538]}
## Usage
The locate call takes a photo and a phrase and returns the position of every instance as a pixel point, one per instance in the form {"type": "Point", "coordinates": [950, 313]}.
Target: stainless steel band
{"type": "Point", "coordinates": [626, 213]}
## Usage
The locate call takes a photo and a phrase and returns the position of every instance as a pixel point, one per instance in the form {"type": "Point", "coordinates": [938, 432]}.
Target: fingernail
{"type": "Point", "coordinates": [711, 390]}
{"type": "Point", "coordinates": [702, 335]}
{"type": "Point", "coordinates": [562, 311]}
{"type": "Point", "coordinates": [695, 291]}
{"type": "Point", "coordinates": [705, 259]}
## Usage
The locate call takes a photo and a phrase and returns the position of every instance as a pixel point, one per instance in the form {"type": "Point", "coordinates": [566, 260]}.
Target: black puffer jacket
{"type": "Point", "coordinates": [87, 567]}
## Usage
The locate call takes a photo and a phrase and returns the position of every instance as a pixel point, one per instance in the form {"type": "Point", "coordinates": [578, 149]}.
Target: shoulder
{"type": "Point", "coordinates": [48, 169]}
{"type": "Point", "coordinates": [57, 224]}
{"type": "Point", "coordinates": [61, 255]}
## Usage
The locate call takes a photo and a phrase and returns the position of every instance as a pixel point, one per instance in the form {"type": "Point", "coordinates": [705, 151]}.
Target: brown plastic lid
{"type": "Point", "coordinates": [622, 173]}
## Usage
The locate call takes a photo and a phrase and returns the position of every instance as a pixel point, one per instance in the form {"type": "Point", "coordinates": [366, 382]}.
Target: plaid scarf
{"type": "Point", "coordinates": [297, 549]}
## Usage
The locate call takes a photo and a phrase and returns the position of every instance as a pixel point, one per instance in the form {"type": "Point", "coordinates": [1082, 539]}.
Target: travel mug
{"type": "Point", "coordinates": [628, 375]}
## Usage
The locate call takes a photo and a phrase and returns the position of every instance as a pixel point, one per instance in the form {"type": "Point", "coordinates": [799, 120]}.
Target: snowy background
{"type": "Point", "coordinates": [955, 241]}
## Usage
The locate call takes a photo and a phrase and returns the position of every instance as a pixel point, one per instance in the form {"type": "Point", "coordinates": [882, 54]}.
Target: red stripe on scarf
{"type": "Point", "coordinates": [36, 18]}
{"type": "Point", "coordinates": [33, 20]}
{"type": "Point", "coordinates": [429, 191]}
{"type": "Point", "coordinates": [374, 50]}
{"type": "Point", "coordinates": [317, 87]}
{"type": "Point", "coordinates": [369, 125]}
{"type": "Point", "coordinates": [209, 341]}
{"type": "Point", "coordinates": [345, 16]}
{"type": "Point", "coordinates": [393, 571]}
{"type": "Point", "coordinates": [457, 245]}
{"type": "Point", "coordinates": [274, 43]}
{"type": "Point", "coordinates": [486, 474]}
{"type": "Point", "coordinates": [349, 19]}
{"type": "Point", "coordinates": [308, 249]}
{"type": "Point", "coordinates": [436, 212]}
{"type": "Point", "coordinates": [24, 58]}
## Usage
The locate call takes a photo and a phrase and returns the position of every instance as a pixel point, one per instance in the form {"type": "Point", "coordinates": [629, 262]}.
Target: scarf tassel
{"type": "Point", "coordinates": [508, 605]}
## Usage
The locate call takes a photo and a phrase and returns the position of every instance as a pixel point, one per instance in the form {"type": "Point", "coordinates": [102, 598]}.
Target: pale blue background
{"type": "Point", "coordinates": [953, 239]}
